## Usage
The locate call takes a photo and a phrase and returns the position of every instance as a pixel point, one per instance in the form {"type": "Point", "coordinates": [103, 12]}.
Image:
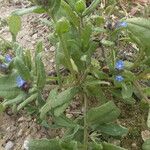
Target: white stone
{"type": "Point", "coordinates": [9, 145]}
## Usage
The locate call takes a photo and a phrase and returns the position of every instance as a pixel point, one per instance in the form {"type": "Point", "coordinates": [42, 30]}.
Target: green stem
{"type": "Point", "coordinates": [13, 38]}
{"type": "Point", "coordinates": [58, 70]}
{"type": "Point", "coordinates": [85, 123]}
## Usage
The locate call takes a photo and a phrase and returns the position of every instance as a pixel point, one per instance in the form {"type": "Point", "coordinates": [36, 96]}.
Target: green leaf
{"type": "Point", "coordinates": [41, 74]}
{"type": "Point", "coordinates": [60, 57]}
{"type": "Point", "coordinates": [8, 82]}
{"type": "Point", "coordinates": [73, 17]}
{"type": "Point", "coordinates": [58, 101]}
{"type": "Point", "coordinates": [147, 61]}
{"type": "Point", "coordinates": [108, 146]}
{"type": "Point", "coordinates": [98, 21]}
{"type": "Point", "coordinates": [47, 107]}
{"type": "Point", "coordinates": [39, 47]}
{"type": "Point", "coordinates": [43, 144]}
{"type": "Point", "coordinates": [8, 86]}
{"type": "Point", "coordinates": [127, 90]}
{"type": "Point", "coordinates": [147, 91]}
{"type": "Point", "coordinates": [65, 96]}
{"type": "Point", "coordinates": [74, 66]}
{"type": "Point", "coordinates": [16, 100]}
{"type": "Point", "coordinates": [60, 109]}
{"type": "Point", "coordinates": [63, 121]}
{"type": "Point", "coordinates": [80, 6]}
{"type": "Point", "coordinates": [69, 145]}
{"type": "Point", "coordinates": [14, 23]}
{"type": "Point", "coordinates": [95, 146]}
{"type": "Point", "coordinates": [27, 101]}
{"type": "Point", "coordinates": [85, 36]}
{"type": "Point", "coordinates": [56, 7]}
{"type": "Point", "coordinates": [62, 26]}
{"type": "Point", "coordinates": [128, 64]}
{"type": "Point", "coordinates": [91, 8]}
{"type": "Point", "coordinates": [105, 113]}
{"type": "Point", "coordinates": [146, 145]}
{"type": "Point", "coordinates": [27, 59]}
{"type": "Point", "coordinates": [72, 135]}
{"type": "Point", "coordinates": [22, 69]}
{"type": "Point", "coordinates": [97, 92]}
{"type": "Point", "coordinates": [128, 75]}
{"type": "Point", "coordinates": [10, 93]}
{"type": "Point", "coordinates": [112, 129]}
{"type": "Point", "coordinates": [24, 11]}
{"type": "Point", "coordinates": [140, 27]}
{"type": "Point", "coordinates": [129, 101]}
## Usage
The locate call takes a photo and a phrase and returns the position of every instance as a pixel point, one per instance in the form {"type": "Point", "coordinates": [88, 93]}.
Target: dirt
{"type": "Point", "coordinates": [31, 32]}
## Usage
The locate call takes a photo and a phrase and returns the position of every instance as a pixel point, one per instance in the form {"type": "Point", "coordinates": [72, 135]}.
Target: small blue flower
{"type": "Point", "coordinates": [20, 82]}
{"type": "Point", "coordinates": [119, 78]}
{"type": "Point", "coordinates": [122, 24]}
{"type": "Point", "coordinates": [119, 65]}
{"type": "Point", "coordinates": [8, 58]}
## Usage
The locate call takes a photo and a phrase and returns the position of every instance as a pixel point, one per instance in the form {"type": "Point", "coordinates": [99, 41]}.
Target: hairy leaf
{"type": "Point", "coordinates": [103, 114]}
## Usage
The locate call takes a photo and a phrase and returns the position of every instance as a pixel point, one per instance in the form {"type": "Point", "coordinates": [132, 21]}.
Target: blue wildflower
{"type": "Point", "coordinates": [119, 65]}
{"type": "Point", "coordinates": [8, 58]}
{"type": "Point", "coordinates": [122, 24]}
{"type": "Point", "coordinates": [20, 82]}
{"type": "Point", "coordinates": [119, 78]}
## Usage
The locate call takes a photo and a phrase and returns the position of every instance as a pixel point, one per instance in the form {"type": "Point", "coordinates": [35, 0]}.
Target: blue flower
{"type": "Point", "coordinates": [119, 65]}
{"type": "Point", "coordinates": [122, 24]}
{"type": "Point", "coordinates": [8, 58]}
{"type": "Point", "coordinates": [20, 82]}
{"type": "Point", "coordinates": [119, 78]}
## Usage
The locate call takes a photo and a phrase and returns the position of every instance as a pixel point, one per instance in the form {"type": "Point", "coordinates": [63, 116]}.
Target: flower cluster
{"type": "Point", "coordinates": [119, 66]}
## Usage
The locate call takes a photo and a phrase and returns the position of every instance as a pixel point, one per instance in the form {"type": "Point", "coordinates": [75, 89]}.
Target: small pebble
{"type": "Point", "coordinates": [52, 49]}
{"type": "Point", "coordinates": [134, 145]}
{"type": "Point", "coordinates": [9, 145]}
{"type": "Point", "coordinates": [21, 119]}
{"type": "Point", "coordinates": [20, 133]}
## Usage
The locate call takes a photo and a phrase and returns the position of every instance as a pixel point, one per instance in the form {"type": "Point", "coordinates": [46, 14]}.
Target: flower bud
{"type": "Point", "coordinates": [80, 6]}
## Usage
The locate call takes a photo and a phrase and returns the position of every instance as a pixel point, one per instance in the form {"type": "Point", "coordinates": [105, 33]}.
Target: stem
{"type": "Point", "coordinates": [58, 70]}
{"type": "Point", "coordinates": [85, 123]}
{"type": "Point", "coordinates": [13, 37]}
